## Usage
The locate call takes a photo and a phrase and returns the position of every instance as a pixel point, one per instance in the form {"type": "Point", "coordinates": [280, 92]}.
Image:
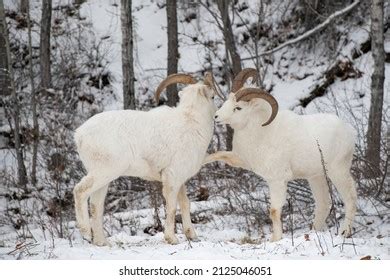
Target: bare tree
{"type": "Point", "coordinates": [173, 54]}
{"type": "Point", "coordinates": [79, 2]}
{"type": "Point", "coordinates": [127, 55]}
{"type": "Point", "coordinates": [35, 131]}
{"type": "Point", "coordinates": [45, 44]}
{"type": "Point", "coordinates": [8, 88]}
{"type": "Point", "coordinates": [377, 83]}
{"type": "Point", "coordinates": [24, 6]}
{"type": "Point", "coordinates": [4, 77]}
{"type": "Point", "coordinates": [255, 36]}
{"type": "Point", "coordinates": [223, 7]}
{"type": "Point", "coordinates": [232, 55]}
{"type": "Point", "coordinates": [314, 10]}
{"type": "Point", "coordinates": [310, 12]}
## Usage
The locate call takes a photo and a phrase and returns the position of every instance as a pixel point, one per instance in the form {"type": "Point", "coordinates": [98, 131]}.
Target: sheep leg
{"type": "Point", "coordinates": [320, 190]}
{"type": "Point", "coordinates": [97, 209]}
{"type": "Point", "coordinates": [170, 194]}
{"type": "Point", "coordinates": [230, 158]}
{"type": "Point", "coordinates": [81, 206]}
{"type": "Point", "coordinates": [82, 191]}
{"type": "Point", "coordinates": [184, 204]}
{"type": "Point", "coordinates": [345, 185]}
{"type": "Point", "coordinates": [278, 192]}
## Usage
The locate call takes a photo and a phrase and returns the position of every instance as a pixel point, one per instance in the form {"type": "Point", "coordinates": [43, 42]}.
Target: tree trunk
{"type": "Point", "coordinates": [235, 60]}
{"type": "Point", "coordinates": [127, 55]}
{"type": "Point", "coordinates": [44, 47]}
{"type": "Point", "coordinates": [173, 54]}
{"type": "Point", "coordinates": [79, 2]}
{"type": "Point", "coordinates": [9, 88]}
{"type": "Point", "coordinates": [24, 6]}
{"type": "Point", "coordinates": [4, 77]}
{"type": "Point", "coordinates": [33, 103]}
{"type": "Point", "coordinates": [377, 82]}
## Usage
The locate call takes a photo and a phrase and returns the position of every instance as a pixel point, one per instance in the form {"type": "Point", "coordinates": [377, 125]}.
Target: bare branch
{"type": "Point", "coordinates": [309, 33]}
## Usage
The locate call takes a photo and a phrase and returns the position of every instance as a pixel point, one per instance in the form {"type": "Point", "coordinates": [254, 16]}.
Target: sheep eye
{"type": "Point", "coordinates": [237, 108]}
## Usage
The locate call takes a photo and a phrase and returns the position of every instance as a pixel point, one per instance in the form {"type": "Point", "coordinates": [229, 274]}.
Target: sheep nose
{"type": "Point", "coordinates": [215, 117]}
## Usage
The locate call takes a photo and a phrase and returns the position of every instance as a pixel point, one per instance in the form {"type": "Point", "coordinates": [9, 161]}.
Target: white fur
{"type": "Point", "coordinates": [165, 144]}
{"type": "Point", "coordinates": [286, 150]}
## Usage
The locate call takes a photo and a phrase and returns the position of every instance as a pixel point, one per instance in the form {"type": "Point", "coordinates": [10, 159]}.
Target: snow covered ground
{"type": "Point", "coordinates": [223, 237]}
{"type": "Point", "coordinates": [220, 238]}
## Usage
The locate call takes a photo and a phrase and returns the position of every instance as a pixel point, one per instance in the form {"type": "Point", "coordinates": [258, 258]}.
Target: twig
{"type": "Point", "coordinates": [329, 183]}
{"type": "Point", "coordinates": [354, 246]}
{"type": "Point", "coordinates": [322, 252]}
{"type": "Point", "coordinates": [291, 218]}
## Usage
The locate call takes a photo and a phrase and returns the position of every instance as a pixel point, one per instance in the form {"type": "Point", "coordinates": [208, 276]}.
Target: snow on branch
{"type": "Point", "coordinates": [311, 31]}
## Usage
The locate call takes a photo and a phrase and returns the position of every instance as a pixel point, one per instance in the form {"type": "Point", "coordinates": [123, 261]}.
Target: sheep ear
{"type": "Point", "coordinates": [180, 93]}
{"type": "Point", "coordinates": [202, 91]}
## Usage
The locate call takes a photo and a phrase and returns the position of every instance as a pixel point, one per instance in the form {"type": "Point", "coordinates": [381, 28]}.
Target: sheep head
{"type": "Point", "coordinates": [208, 88]}
{"type": "Point", "coordinates": [237, 109]}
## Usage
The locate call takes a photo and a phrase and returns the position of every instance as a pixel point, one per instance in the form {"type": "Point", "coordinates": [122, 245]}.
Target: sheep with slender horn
{"type": "Point", "coordinates": [283, 146]}
{"type": "Point", "coordinates": [164, 144]}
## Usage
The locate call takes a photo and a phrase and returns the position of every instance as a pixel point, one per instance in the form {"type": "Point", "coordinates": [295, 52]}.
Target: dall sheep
{"type": "Point", "coordinates": [164, 144]}
{"type": "Point", "coordinates": [283, 146]}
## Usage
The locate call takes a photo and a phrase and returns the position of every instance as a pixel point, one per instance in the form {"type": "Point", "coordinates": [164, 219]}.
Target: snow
{"type": "Point", "coordinates": [224, 237]}
{"type": "Point", "coordinates": [219, 239]}
{"type": "Point", "coordinates": [314, 30]}
{"type": "Point", "coordinates": [151, 53]}
{"type": "Point", "coordinates": [149, 50]}
{"type": "Point", "coordinates": [290, 91]}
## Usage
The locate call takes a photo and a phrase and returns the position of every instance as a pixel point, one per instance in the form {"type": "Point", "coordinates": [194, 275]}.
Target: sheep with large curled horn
{"type": "Point", "coordinates": [164, 144]}
{"type": "Point", "coordinates": [283, 146]}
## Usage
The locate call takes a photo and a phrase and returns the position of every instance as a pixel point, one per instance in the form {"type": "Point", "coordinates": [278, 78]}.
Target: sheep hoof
{"type": "Point", "coordinates": [85, 233]}
{"type": "Point", "coordinates": [191, 235]}
{"type": "Point", "coordinates": [346, 231]}
{"type": "Point", "coordinates": [101, 242]}
{"type": "Point", "coordinates": [172, 240]}
{"type": "Point", "coordinates": [275, 238]}
{"type": "Point", "coordinates": [194, 239]}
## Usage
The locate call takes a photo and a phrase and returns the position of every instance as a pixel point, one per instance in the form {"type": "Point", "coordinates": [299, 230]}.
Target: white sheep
{"type": "Point", "coordinates": [283, 146]}
{"type": "Point", "coordinates": [164, 144]}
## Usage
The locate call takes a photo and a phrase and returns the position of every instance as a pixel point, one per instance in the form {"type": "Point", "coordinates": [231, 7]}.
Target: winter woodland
{"type": "Point", "coordinates": [65, 61]}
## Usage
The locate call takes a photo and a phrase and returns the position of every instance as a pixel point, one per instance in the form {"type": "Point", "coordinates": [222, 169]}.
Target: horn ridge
{"type": "Point", "coordinates": [242, 77]}
{"type": "Point", "coordinates": [173, 79]}
{"type": "Point", "coordinates": [247, 94]}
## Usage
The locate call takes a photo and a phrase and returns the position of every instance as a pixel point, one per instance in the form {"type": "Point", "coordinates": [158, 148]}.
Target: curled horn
{"type": "Point", "coordinates": [247, 94]}
{"type": "Point", "coordinates": [173, 79]}
{"type": "Point", "coordinates": [241, 78]}
{"type": "Point", "coordinates": [210, 82]}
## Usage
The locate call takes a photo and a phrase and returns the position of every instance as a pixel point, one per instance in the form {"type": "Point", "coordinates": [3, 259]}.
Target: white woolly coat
{"type": "Point", "coordinates": [287, 148]}
{"type": "Point", "coordinates": [143, 144]}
